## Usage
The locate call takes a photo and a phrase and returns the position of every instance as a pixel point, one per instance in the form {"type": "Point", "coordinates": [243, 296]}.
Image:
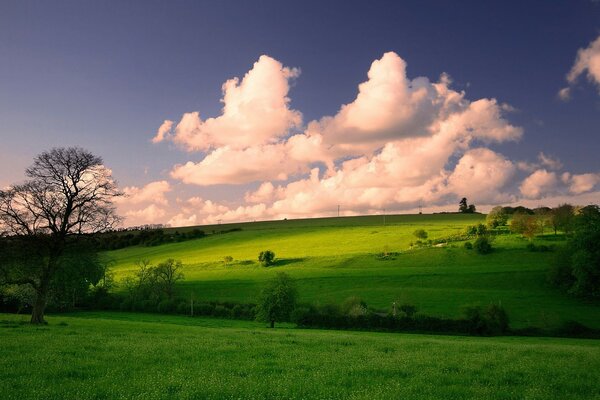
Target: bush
{"type": "Point", "coordinates": [299, 315]}
{"type": "Point", "coordinates": [492, 320]}
{"type": "Point", "coordinates": [468, 245]}
{"type": "Point", "coordinates": [183, 308]}
{"type": "Point", "coordinates": [167, 307]}
{"type": "Point", "coordinates": [227, 259]}
{"type": "Point", "coordinates": [204, 309]}
{"type": "Point", "coordinates": [354, 306]}
{"type": "Point", "coordinates": [408, 310]}
{"type": "Point", "coordinates": [221, 311]}
{"type": "Point", "coordinates": [266, 257]}
{"type": "Point", "coordinates": [482, 245]}
{"type": "Point", "coordinates": [420, 234]}
{"type": "Point", "coordinates": [237, 311]}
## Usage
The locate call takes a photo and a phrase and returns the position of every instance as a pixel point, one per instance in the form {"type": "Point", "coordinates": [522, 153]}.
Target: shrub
{"type": "Point", "coordinates": [408, 310]}
{"type": "Point", "coordinates": [420, 234]}
{"type": "Point", "coordinates": [183, 308]}
{"type": "Point", "coordinates": [482, 245]}
{"type": "Point", "coordinates": [266, 257]}
{"type": "Point", "coordinates": [468, 245]}
{"type": "Point", "coordinates": [167, 306]}
{"type": "Point", "coordinates": [354, 306]}
{"type": "Point", "coordinates": [299, 315]}
{"type": "Point", "coordinates": [237, 311]}
{"type": "Point", "coordinates": [492, 320]}
{"type": "Point", "coordinates": [204, 309]}
{"type": "Point", "coordinates": [221, 311]}
{"type": "Point", "coordinates": [227, 259]}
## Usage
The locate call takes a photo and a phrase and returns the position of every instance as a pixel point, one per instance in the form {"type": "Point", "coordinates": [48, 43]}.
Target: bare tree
{"type": "Point", "coordinates": [167, 274]}
{"type": "Point", "coordinates": [69, 193]}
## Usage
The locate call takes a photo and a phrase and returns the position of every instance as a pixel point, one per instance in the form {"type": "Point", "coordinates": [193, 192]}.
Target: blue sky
{"type": "Point", "coordinates": [105, 75]}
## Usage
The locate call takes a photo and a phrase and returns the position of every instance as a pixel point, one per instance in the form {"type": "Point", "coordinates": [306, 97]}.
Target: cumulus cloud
{"type": "Point", "coordinates": [147, 215]}
{"type": "Point", "coordinates": [481, 174]}
{"type": "Point", "coordinates": [539, 183]}
{"type": "Point", "coordinates": [400, 143]}
{"type": "Point", "coordinates": [586, 63]}
{"type": "Point", "coordinates": [152, 192]}
{"type": "Point", "coordinates": [255, 111]}
{"type": "Point", "coordinates": [146, 204]}
{"type": "Point", "coordinates": [390, 106]}
{"type": "Point", "coordinates": [581, 183]}
{"type": "Point", "coordinates": [163, 131]}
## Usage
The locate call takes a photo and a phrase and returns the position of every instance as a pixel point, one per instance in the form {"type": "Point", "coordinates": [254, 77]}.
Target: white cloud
{"type": "Point", "coordinates": [390, 106]}
{"type": "Point", "coordinates": [581, 183]}
{"type": "Point", "coordinates": [255, 111]}
{"type": "Point", "coordinates": [400, 143]}
{"type": "Point", "coordinates": [480, 175]}
{"type": "Point", "coordinates": [153, 192]}
{"type": "Point", "coordinates": [183, 220]}
{"type": "Point", "coordinates": [163, 131]}
{"type": "Point", "coordinates": [549, 162]}
{"type": "Point", "coordinates": [538, 184]}
{"type": "Point", "coordinates": [151, 214]}
{"type": "Point", "coordinates": [586, 63]}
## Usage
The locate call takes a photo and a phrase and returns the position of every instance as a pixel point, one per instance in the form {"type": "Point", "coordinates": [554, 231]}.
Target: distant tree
{"type": "Point", "coordinates": [543, 217]}
{"type": "Point", "coordinates": [463, 207]}
{"type": "Point", "coordinates": [496, 217]}
{"type": "Point", "coordinates": [466, 208]}
{"type": "Point", "coordinates": [420, 234]}
{"type": "Point", "coordinates": [167, 274]}
{"type": "Point", "coordinates": [563, 218]}
{"type": "Point", "coordinates": [69, 194]}
{"type": "Point", "coordinates": [266, 258]}
{"type": "Point", "coordinates": [277, 300]}
{"type": "Point", "coordinates": [524, 224]}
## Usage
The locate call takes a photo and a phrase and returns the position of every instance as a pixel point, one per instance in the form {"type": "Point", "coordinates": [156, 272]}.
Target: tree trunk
{"type": "Point", "coordinates": [272, 324]}
{"type": "Point", "coordinates": [41, 298]}
{"type": "Point", "coordinates": [39, 305]}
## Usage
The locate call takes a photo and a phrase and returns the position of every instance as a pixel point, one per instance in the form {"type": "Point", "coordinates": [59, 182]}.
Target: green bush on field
{"type": "Point", "coordinates": [482, 245]}
{"type": "Point", "coordinates": [266, 258]}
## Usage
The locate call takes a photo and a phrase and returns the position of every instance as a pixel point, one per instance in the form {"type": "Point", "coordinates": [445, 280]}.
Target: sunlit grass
{"type": "Point", "coordinates": [333, 259]}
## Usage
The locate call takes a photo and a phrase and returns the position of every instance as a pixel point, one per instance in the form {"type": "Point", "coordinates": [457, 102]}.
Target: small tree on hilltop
{"type": "Point", "coordinates": [277, 300]}
{"type": "Point", "coordinates": [266, 257]}
{"type": "Point", "coordinates": [466, 208]}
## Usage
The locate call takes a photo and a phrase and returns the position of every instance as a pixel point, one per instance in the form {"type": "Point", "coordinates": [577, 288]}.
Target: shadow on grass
{"type": "Point", "coordinates": [282, 262]}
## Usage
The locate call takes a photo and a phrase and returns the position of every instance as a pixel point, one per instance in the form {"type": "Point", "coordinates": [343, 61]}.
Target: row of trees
{"type": "Point", "coordinates": [529, 222]}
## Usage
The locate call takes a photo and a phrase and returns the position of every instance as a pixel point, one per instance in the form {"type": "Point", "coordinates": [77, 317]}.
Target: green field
{"type": "Point", "coordinates": [137, 356]}
{"type": "Point", "coordinates": [334, 258]}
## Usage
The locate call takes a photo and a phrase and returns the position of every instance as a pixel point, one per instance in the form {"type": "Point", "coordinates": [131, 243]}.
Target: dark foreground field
{"type": "Point", "coordinates": [136, 356]}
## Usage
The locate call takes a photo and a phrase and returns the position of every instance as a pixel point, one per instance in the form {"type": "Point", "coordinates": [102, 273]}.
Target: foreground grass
{"type": "Point", "coordinates": [131, 356]}
{"type": "Point", "coordinates": [335, 258]}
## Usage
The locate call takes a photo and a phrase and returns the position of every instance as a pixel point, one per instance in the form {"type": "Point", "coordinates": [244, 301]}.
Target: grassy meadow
{"type": "Point", "coordinates": [137, 356]}
{"type": "Point", "coordinates": [335, 258]}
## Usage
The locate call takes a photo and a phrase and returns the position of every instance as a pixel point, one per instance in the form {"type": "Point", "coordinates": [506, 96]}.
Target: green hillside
{"type": "Point", "coordinates": [163, 357]}
{"type": "Point", "coordinates": [334, 258]}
